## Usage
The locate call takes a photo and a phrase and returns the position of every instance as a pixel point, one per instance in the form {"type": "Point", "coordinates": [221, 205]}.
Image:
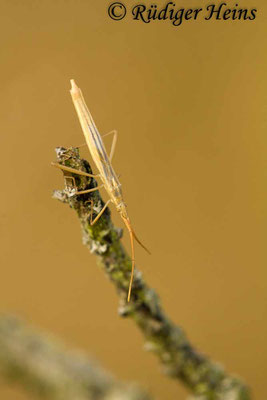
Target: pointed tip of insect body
{"type": "Point", "coordinates": [74, 88]}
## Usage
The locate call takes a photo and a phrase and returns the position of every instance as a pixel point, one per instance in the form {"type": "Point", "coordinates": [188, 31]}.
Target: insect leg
{"type": "Point", "coordinates": [72, 180]}
{"type": "Point", "coordinates": [88, 190]}
{"type": "Point", "coordinates": [73, 170]}
{"type": "Point", "coordinates": [100, 213]}
{"type": "Point", "coordinates": [114, 141]}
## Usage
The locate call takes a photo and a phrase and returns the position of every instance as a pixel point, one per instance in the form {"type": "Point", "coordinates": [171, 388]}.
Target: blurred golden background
{"type": "Point", "coordinates": [189, 104]}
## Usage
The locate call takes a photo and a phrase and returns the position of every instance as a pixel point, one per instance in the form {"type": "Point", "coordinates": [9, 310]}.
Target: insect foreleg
{"type": "Point", "coordinates": [113, 144]}
{"type": "Point", "coordinates": [114, 141]}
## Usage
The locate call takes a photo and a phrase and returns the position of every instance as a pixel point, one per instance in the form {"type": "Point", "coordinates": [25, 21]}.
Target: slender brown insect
{"type": "Point", "coordinates": [103, 163]}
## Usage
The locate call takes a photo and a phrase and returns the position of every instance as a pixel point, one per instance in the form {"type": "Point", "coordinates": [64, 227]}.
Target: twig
{"type": "Point", "coordinates": [45, 368]}
{"type": "Point", "coordinates": [206, 379]}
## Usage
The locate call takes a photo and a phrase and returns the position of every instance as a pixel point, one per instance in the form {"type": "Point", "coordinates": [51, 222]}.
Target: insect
{"type": "Point", "coordinates": [106, 172]}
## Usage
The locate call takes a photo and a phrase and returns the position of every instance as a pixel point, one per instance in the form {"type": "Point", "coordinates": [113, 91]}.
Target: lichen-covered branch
{"type": "Point", "coordinates": [206, 379]}
{"type": "Point", "coordinates": [45, 368]}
